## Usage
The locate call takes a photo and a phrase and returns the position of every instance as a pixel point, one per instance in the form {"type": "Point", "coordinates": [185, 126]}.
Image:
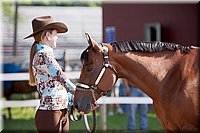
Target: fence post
{"type": "Point", "coordinates": [15, 30]}
{"type": "Point", "coordinates": [103, 117]}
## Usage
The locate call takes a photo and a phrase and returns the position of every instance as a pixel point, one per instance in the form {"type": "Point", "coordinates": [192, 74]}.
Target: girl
{"type": "Point", "coordinates": [53, 85]}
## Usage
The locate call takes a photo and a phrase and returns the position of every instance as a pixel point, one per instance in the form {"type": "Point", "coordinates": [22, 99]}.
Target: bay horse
{"type": "Point", "coordinates": [166, 72]}
{"type": "Point", "coordinates": [20, 87]}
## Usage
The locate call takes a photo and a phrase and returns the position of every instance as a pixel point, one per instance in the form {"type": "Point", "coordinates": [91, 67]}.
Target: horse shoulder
{"type": "Point", "coordinates": [179, 90]}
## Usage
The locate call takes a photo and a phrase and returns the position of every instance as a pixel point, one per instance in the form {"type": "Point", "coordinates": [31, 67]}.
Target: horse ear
{"type": "Point", "coordinates": [92, 42]}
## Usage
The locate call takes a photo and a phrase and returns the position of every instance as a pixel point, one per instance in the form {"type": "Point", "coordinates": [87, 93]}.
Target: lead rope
{"type": "Point", "coordinates": [90, 130]}
{"type": "Point", "coordinates": [74, 118]}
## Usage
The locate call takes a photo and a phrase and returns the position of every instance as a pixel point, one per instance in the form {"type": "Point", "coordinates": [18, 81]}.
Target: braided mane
{"type": "Point", "coordinates": [132, 46]}
{"type": "Point", "coordinates": [156, 46]}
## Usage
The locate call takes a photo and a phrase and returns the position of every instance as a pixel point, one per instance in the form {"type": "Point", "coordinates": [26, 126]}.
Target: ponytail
{"type": "Point", "coordinates": [31, 75]}
{"type": "Point", "coordinates": [38, 37]}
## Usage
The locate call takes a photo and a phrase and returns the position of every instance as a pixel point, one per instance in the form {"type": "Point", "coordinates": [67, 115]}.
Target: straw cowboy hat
{"type": "Point", "coordinates": [46, 22]}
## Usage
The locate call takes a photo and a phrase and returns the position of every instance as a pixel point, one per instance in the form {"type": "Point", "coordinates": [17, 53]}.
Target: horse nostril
{"type": "Point", "coordinates": [75, 105]}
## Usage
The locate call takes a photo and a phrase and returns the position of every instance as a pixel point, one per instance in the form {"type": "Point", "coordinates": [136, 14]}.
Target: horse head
{"type": "Point", "coordinates": [96, 78]}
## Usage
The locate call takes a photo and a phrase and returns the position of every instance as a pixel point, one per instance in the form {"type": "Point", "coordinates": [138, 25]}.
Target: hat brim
{"type": "Point", "coordinates": [59, 26]}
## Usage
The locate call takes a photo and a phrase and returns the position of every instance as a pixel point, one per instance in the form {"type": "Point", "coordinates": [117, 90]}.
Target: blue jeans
{"type": "Point", "coordinates": [142, 108]}
{"type": "Point", "coordinates": [124, 107]}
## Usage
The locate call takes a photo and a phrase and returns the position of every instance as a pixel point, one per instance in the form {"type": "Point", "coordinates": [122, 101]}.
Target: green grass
{"type": "Point", "coordinates": [23, 121]}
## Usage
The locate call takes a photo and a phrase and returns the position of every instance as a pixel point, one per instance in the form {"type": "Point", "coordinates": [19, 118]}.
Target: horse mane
{"type": "Point", "coordinates": [133, 46]}
{"type": "Point", "coordinates": [156, 46]}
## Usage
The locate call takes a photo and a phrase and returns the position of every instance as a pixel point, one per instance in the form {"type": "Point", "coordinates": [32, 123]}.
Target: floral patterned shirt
{"type": "Point", "coordinates": [53, 85]}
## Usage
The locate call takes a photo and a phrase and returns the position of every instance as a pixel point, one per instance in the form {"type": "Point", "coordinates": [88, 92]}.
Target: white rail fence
{"type": "Point", "coordinates": [102, 100]}
{"type": "Point", "coordinates": [72, 75]}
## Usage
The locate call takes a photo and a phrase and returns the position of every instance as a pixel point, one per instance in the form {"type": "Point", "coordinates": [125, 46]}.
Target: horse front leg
{"type": "Point", "coordinates": [7, 94]}
{"type": "Point", "coordinates": [9, 114]}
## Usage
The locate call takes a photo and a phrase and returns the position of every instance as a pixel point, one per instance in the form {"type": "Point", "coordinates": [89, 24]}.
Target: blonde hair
{"type": "Point", "coordinates": [38, 37]}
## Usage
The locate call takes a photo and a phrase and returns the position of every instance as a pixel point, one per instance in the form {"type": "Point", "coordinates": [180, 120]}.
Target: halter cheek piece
{"type": "Point", "coordinates": [94, 88]}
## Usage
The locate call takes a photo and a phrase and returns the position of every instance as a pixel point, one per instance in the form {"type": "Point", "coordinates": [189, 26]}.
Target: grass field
{"type": "Point", "coordinates": [23, 121]}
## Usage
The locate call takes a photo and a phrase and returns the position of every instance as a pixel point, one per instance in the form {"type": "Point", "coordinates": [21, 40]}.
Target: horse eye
{"type": "Point", "coordinates": [90, 68]}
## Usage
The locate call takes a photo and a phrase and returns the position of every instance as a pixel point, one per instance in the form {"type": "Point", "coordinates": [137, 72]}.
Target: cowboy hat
{"type": "Point", "coordinates": [46, 22]}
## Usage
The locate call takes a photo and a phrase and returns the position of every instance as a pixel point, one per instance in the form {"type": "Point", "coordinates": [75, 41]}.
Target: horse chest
{"type": "Point", "coordinates": [164, 113]}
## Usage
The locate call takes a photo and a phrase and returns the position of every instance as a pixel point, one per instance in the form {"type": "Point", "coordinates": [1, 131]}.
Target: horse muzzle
{"type": "Point", "coordinates": [83, 105]}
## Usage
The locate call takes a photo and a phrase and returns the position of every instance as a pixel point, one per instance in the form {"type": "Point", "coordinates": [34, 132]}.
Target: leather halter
{"type": "Point", "coordinates": [94, 88]}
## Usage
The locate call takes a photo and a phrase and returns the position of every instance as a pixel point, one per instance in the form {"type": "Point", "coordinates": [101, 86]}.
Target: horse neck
{"type": "Point", "coordinates": [144, 70]}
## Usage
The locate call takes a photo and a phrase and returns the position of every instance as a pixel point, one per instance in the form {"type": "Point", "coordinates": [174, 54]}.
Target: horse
{"type": "Point", "coordinates": [166, 72]}
{"type": "Point", "coordinates": [19, 87]}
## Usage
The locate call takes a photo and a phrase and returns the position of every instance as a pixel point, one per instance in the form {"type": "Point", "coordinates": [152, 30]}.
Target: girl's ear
{"type": "Point", "coordinates": [48, 35]}
{"type": "Point", "coordinates": [93, 43]}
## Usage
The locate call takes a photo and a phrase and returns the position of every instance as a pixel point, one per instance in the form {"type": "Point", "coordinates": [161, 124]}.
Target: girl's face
{"type": "Point", "coordinates": [52, 39]}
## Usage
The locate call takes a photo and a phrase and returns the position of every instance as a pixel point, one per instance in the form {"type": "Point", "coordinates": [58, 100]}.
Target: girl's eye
{"type": "Point", "coordinates": [90, 68]}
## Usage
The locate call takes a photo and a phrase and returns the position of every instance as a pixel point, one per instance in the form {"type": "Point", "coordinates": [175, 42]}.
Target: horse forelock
{"type": "Point", "coordinates": [84, 55]}
{"type": "Point", "coordinates": [156, 46]}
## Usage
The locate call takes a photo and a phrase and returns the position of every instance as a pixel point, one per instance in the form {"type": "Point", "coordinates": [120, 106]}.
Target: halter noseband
{"type": "Point", "coordinates": [94, 88]}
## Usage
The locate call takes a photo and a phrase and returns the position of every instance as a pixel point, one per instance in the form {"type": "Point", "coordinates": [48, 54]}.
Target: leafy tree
{"type": "Point", "coordinates": [7, 10]}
